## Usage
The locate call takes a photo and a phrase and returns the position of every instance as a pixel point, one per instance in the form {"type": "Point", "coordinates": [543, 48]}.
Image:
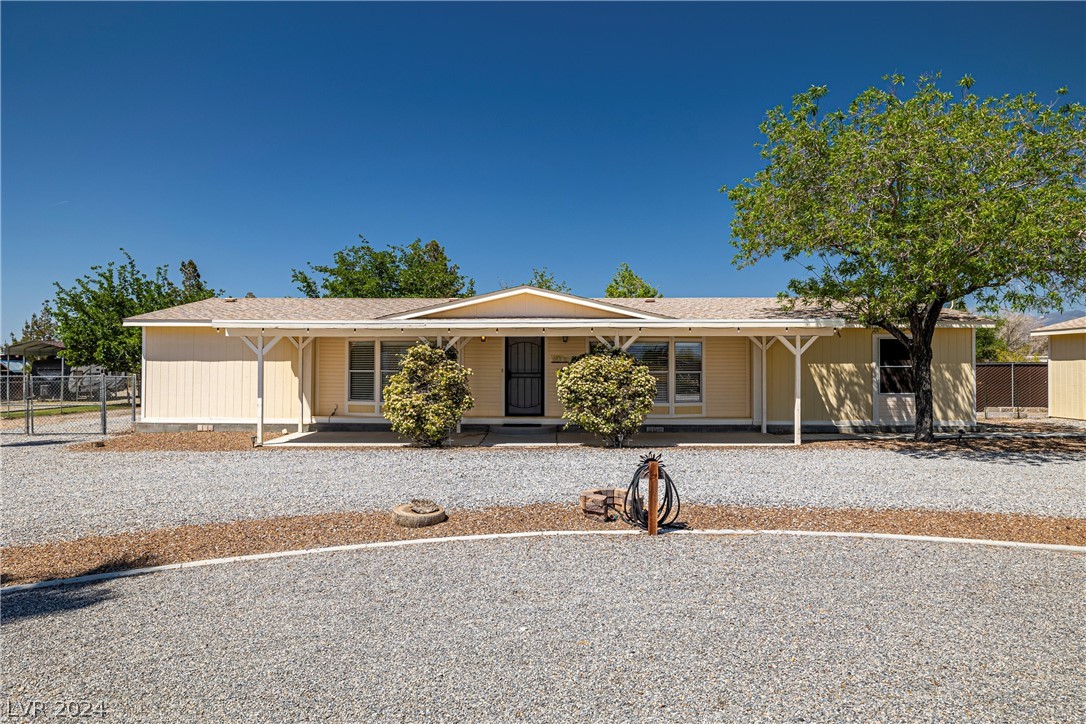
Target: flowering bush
{"type": "Point", "coordinates": [427, 397]}
{"type": "Point", "coordinates": [608, 394]}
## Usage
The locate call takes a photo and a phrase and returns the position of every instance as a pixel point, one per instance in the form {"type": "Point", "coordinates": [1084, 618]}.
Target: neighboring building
{"type": "Point", "coordinates": [239, 361]}
{"type": "Point", "coordinates": [1066, 368]}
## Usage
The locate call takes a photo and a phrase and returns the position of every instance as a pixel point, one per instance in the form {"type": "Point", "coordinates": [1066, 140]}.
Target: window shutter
{"type": "Point", "coordinates": [361, 370]}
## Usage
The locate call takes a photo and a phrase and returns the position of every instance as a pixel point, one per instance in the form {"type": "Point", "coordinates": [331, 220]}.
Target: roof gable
{"type": "Point", "coordinates": [526, 302]}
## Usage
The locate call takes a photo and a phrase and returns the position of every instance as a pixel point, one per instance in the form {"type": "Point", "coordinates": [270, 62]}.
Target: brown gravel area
{"type": "Point", "coordinates": [172, 442]}
{"type": "Point", "coordinates": [84, 556]}
{"type": "Point", "coordinates": [942, 445]}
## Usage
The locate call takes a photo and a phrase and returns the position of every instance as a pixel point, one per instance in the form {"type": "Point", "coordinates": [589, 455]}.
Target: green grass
{"type": "Point", "coordinates": [66, 410]}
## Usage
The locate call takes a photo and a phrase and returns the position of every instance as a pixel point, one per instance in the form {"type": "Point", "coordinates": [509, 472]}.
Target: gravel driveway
{"type": "Point", "coordinates": [584, 628]}
{"type": "Point", "coordinates": [51, 493]}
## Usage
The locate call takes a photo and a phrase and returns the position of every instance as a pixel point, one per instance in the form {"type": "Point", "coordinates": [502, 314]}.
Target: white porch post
{"type": "Point", "coordinates": [260, 389]}
{"type": "Point", "coordinates": [797, 351]}
{"type": "Point", "coordinates": [301, 386]}
{"type": "Point", "coordinates": [798, 413]}
{"type": "Point", "coordinates": [765, 409]}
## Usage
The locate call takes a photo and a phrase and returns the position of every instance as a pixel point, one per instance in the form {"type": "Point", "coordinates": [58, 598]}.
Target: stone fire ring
{"type": "Point", "coordinates": [405, 515]}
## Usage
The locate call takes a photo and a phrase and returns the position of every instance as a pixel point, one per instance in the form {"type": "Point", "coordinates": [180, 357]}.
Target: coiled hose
{"type": "Point", "coordinates": [634, 511]}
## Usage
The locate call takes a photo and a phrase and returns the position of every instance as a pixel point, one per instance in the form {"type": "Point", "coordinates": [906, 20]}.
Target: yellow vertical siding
{"type": "Point", "coordinates": [726, 377]}
{"type": "Point", "coordinates": [556, 355]}
{"type": "Point", "coordinates": [838, 374]}
{"type": "Point", "coordinates": [331, 376]}
{"type": "Point", "coordinates": [1067, 376]}
{"type": "Point", "coordinates": [952, 375]}
{"type": "Point", "coordinates": [528, 305]}
{"type": "Point", "coordinates": [487, 363]}
{"type": "Point", "coordinates": [836, 378]}
{"type": "Point", "coordinates": [197, 374]}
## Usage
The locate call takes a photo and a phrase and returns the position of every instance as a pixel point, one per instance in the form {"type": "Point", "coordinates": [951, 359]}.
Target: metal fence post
{"type": "Point", "coordinates": [1012, 393]}
{"type": "Point", "coordinates": [132, 395]}
{"type": "Point", "coordinates": [26, 403]}
{"type": "Point", "coordinates": [102, 395]}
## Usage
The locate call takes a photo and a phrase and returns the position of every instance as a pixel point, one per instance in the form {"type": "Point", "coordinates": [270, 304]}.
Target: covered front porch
{"type": "Point", "coordinates": [541, 437]}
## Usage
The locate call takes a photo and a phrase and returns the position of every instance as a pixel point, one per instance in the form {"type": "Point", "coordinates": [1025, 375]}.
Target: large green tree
{"type": "Point", "coordinates": [626, 284]}
{"type": "Point", "coordinates": [414, 270]}
{"type": "Point", "coordinates": [90, 313]}
{"type": "Point", "coordinates": [900, 203]}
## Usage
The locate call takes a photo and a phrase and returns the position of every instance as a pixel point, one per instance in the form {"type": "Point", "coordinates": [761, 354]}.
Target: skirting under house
{"type": "Point", "coordinates": [728, 363]}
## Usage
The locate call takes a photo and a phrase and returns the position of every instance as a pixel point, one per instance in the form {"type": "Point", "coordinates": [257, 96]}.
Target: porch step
{"type": "Point", "coordinates": [523, 429]}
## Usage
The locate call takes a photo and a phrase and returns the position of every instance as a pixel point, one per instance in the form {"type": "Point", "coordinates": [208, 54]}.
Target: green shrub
{"type": "Point", "coordinates": [608, 394]}
{"type": "Point", "coordinates": [426, 399]}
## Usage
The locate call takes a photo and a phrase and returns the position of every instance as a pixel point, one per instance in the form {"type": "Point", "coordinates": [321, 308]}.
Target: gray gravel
{"type": "Point", "coordinates": [50, 493]}
{"type": "Point", "coordinates": [542, 629]}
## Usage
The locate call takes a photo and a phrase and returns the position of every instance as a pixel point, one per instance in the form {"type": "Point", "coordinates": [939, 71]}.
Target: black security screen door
{"type": "Point", "coordinates": [524, 376]}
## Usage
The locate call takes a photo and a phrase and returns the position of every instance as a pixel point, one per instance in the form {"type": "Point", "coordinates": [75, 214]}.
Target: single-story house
{"type": "Point", "coordinates": [1066, 368]}
{"type": "Point", "coordinates": [727, 362]}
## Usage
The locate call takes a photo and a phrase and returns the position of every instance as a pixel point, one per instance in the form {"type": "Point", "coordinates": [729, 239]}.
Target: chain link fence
{"type": "Point", "coordinates": [69, 404]}
{"type": "Point", "coordinates": [1012, 385]}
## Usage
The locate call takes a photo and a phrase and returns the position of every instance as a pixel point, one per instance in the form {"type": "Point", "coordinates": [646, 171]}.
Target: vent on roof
{"type": "Point", "coordinates": [229, 299]}
{"type": "Point", "coordinates": [649, 301]}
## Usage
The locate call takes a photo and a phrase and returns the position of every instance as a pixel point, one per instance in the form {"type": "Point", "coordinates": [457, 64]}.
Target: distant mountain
{"type": "Point", "coordinates": [1062, 316]}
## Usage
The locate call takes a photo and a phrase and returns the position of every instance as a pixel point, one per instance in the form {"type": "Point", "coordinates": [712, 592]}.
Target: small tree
{"type": "Point", "coordinates": [428, 396]}
{"type": "Point", "coordinates": [627, 285]}
{"type": "Point", "coordinates": [608, 394]}
{"type": "Point", "coordinates": [904, 204]}
{"type": "Point", "coordinates": [543, 279]}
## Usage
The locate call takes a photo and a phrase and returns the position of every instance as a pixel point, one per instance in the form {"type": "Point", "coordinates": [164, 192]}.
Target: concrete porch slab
{"type": "Point", "coordinates": [547, 438]}
{"type": "Point", "coordinates": [362, 438]}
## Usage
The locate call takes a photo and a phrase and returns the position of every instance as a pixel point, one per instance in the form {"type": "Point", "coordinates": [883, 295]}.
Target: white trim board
{"type": "Point", "coordinates": [1055, 547]}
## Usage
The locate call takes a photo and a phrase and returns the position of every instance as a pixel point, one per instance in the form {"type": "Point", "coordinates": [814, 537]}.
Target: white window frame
{"type": "Point", "coordinates": [876, 359]}
{"type": "Point", "coordinates": [376, 379]}
{"type": "Point", "coordinates": [671, 403]}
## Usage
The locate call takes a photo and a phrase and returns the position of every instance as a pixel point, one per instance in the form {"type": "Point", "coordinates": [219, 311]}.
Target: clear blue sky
{"type": "Point", "coordinates": [256, 137]}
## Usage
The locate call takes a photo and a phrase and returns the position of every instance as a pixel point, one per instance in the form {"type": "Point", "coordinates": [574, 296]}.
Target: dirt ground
{"type": "Point", "coordinates": [23, 564]}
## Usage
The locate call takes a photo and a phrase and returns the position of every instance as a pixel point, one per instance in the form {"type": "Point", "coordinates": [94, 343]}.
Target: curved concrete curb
{"type": "Point", "coordinates": [532, 534]}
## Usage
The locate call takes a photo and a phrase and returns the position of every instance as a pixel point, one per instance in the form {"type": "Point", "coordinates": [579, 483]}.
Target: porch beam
{"type": "Point", "coordinates": [603, 341]}
{"type": "Point", "coordinates": [452, 343]}
{"type": "Point", "coordinates": [260, 349]}
{"type": "Point", "coordinates": [797, 348]}
{"type": "Point", "coordinates": [630, 341]}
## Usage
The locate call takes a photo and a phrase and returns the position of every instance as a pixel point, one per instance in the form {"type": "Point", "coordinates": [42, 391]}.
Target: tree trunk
{"type": "Point", "coordinates": [924, 402]}
{"type": "Point", "coordinates": [923, 332]}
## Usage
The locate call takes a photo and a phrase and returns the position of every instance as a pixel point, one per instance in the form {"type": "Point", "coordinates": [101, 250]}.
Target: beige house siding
{"type": "Point", "coordinates": [952, 375]}
{"type": "Point", "coordinates": [726, 380]}
{"type": "Point", "coordinates": [331, 375]}
{"type": "Point", "coordinates": [193, 373]}
{"type": "Point", "coordinates": [526, 305]}
{"type": "Point", "coordinates": [486, 360]}
{"type": "Point", "coordinates": [557, 355]}
{"type": "Point", "coordinates": [838, 380]}
{"type": "Point", "coordinates": [1067, 376]}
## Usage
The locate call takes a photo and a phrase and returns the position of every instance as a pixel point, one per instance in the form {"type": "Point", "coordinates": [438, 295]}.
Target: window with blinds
{"type": "Point", "coordinates": [361, 371]}
{"type": "Point", "coordinates": [654, 356]}
{"type": "Point", "coordinates": [391, 353]}
{"type": "Point", "coordinates": [688, 372]}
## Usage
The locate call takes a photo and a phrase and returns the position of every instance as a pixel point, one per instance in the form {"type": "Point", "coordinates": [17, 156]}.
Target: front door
{"type": "Point", "coordinates": [523, 375]}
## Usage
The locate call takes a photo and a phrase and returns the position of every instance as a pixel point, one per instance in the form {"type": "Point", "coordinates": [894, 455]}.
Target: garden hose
{"type": "Point", "coordinates": [634, 511]}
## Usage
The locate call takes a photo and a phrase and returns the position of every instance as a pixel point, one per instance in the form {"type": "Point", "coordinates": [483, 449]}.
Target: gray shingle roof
{"type": "Point", "coordinates": [332, 309]}
{"type": "Point", "coordinates": [1064, 326]}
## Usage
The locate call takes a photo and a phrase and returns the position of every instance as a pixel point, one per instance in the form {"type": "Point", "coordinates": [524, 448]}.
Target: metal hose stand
{"type": "Point", "coordinates": [634, 511]}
